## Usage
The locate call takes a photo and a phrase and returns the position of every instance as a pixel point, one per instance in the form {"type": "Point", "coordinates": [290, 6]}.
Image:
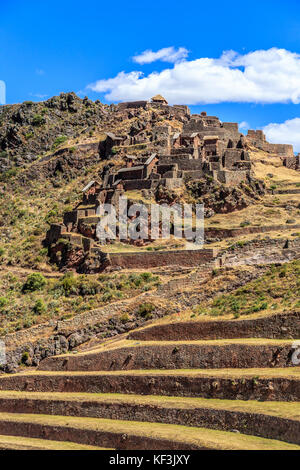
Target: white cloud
{"type": "Point", "coordinates": [244, 125]}
{"type": "Point", "coordinates": [263, 76]}
{"type": "Point", "coordinates": [2, 92]}
{"type": "Point", "coordinates": [167, 54]}
{"type": "Point", "coordinates": [287, 132]}
{"type": "Point", "coordinates": [38, 95]}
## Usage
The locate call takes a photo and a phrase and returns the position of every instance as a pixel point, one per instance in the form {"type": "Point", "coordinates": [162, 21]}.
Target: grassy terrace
{"type": "Point", "coordinates": [279, 409]}
{"type": "Point", "coordinates": [290, 372]}
{"type": "Point", "coordinates": [223, 342]}
{"type": "Point", "coordinates": [198, 437]}
{"type": "Point", "coordinates": [28, 443]}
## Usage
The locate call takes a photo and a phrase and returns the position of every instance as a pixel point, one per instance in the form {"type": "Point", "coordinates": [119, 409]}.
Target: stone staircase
{"type": "Point", "coordinates": [193, 390]}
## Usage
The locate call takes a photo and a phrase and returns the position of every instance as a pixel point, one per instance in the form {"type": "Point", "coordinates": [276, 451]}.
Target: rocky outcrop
{"type": "Point", "coordinates": [219, 198]}
{"type": "Point", "coordinates": [30, 129]}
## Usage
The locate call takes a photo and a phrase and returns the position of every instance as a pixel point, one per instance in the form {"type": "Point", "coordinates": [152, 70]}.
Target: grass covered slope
{"type": "Point", "coordinates": [27, 300]}
{"type": "Point", "coordinates": [277, 290]}
{"type": "Point", "coordinates": [150, 435]}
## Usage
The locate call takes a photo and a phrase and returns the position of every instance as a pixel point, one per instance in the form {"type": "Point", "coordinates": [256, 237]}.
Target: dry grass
{"type": "Point", "coordinates": [280, 174]}
{"type": "Point", "coordinates": [124, 343]}
{"type": "Point", "coordinates": [198, 437]}
{"type": "Point", "coordinates": [157, 245]}
{"type": "Point", "coordinates": [28, 443]}
{"type": "Point", "coordinates": [260, 214]}
{"type": "Point", "coordinates": [254, 373]}
{"type": "Point", "coordinates": [280, 409]}
{"type": "Point", "coordinates": [291, 234]}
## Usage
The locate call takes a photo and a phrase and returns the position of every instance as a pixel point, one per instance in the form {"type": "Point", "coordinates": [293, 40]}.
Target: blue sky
{"type": "Point", "coordinates": [59, 46]}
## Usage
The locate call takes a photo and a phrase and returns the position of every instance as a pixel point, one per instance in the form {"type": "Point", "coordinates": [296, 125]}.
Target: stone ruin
{"type": "Point", "coordinates": [285, 152]}
{"type": "Point", "coordinates": [203, 147]}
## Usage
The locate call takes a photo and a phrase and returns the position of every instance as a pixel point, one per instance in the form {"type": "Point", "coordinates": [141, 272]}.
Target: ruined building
{"type": "Point", "coordinates": [167, 157]}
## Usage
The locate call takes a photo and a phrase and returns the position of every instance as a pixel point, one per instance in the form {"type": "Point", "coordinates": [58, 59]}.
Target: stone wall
{"type": "Point", "coordinates": [144, 260]}
{"type": "Point", "coordinates": [134, 173]}
{"type": "Point", "coordinates": [231, 177]}
{"type": "Point", "coordinates": [292, 163]}
{"type": "Point", "coordinates": [132, 105]}
{"type": "Point", "coordinates": [183, 162]}
{"type": "Point", "coordinates": [54, 233]}
{"type": "Point", "coordinates": [236, 232]}
{"type": "Point", "coordinates": [172, 183]}
{"type": "Point", "coordinates": [225, 131]}
{"type": "Point", "coordinates": [273, 326]}
{"type": "Point", "coordinates": [232, 156]}
{"type": "Point", "coordinates": [187, 356]}
{"type": "Point", "coordinates": [206, 386]}
{"type": "Point", "coordinates": [131, 185]}
{"type": "Point", "coordinates": [258, 139]}
{"type": "Point", "coordinates": [193, 174]}
{"type": "Point", "coordinates": [266, 426]}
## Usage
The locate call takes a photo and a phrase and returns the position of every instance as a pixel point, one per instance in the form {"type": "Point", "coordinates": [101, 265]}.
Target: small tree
{"type": "Point", "coordinates": [35, 281]}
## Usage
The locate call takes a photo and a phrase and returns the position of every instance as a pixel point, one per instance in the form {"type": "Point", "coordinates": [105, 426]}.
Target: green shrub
{"type": "Point", "coordinates": [60, 140]}
{"type": "Point", "coordinates": [107, 296]}
{"type": "Point", "coordinates": [6, 175]}
{"type": "Point", "coordinates": [145, 310]}
{"type": "Point", "coordinates": [51, 216]}
{"type": "Point", "coordinates": [34, 282]}
{"type": "Point", "coordinates": [124, 318]}
{"type": "Point", "coordinates": [38, 120]}
{"type": "Point", "coordinates": [146, 287]}
{"type": "Point", "coordinates": [245, 223]}
{"type": "Point", "coordinates": [25, 357]}
{"type": "Point", "coordinates": [39, 307]}
{"type": "Point", "coordinates": [3, 302]}
{"type": "Point", "coordinates": [88, 287]}
{"type": "Point", "coordinates": [68, 284]}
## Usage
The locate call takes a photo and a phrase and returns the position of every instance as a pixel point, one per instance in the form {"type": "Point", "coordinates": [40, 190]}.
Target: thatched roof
{"type": "Point", "coordinates": [159, 98]}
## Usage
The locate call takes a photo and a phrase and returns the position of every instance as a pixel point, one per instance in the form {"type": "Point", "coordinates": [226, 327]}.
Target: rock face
{"type": "Point", "coordinates": [29, 129]}
{"type": "Point", "coordinates": [219, 198]}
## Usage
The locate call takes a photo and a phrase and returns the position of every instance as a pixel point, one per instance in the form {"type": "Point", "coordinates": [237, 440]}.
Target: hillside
{"type": "Point", "coordinates": [91, 327]}
{"type": "Point", "coordinates": [65, 146]}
